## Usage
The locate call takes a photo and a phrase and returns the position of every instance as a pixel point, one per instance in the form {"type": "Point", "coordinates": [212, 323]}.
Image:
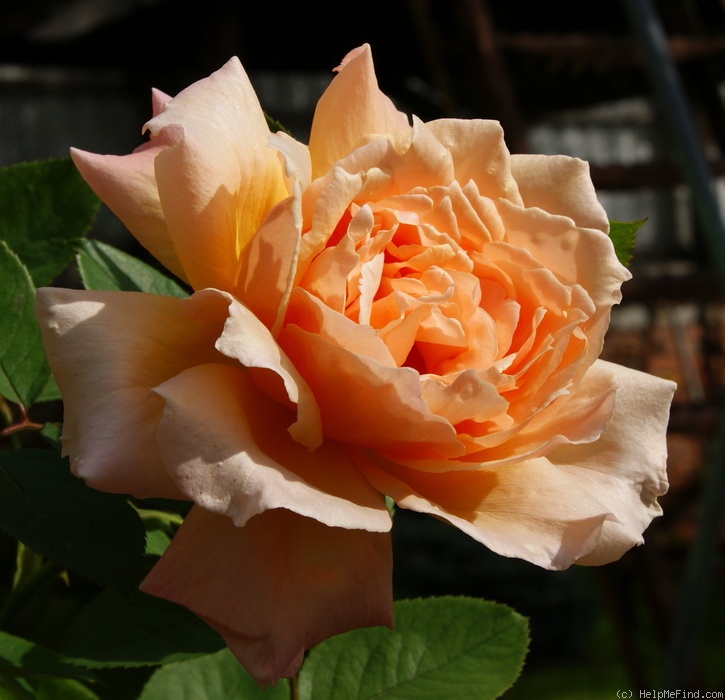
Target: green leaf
{"type": "Point", "coordinates": [274, 126]}
{"type": "Point", "coordinates": [211, 677]}
{"type": "Point", "coordinates": [441, 649]}
{"type": "Point", "coordinates": [21, 658]}
{"type": "Point", "coordinates": [104, 267]}
{"type": "Point", "coordinates": [624, 237]}
{"type": "Point", "coordinates": [43, 206]}
{"type": "Point", "coordinates": [98, 535]}
{"type": "Point", "coordinates": [50, 391]}
{"type": "Point", "coordinates": [140, 630]}
{"type": "Point", "coordinates": [23, 367]}
{"type": "Point", "coordinates": [62, 689]}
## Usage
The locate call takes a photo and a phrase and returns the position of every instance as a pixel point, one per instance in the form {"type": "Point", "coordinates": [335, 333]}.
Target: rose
{"type": "Point", "coordinates": [399, 310]}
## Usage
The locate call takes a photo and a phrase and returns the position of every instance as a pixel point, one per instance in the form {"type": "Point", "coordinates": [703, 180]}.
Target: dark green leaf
{"type": "Point", "coordinates": [104, 267]}
{"type": "Point", "coordinates": [274, 126]}
{"type": "Point", "coordinates": [42, 207]}
{"type": "Point", "coordinates": [23, 367]}
{"type": "Point", "coordinates": [138, 631]}
{"type": "Point", "coordinates": [62, 689]}
{"type": "Point", "coordinates": [441, 649]}
{"type": "Point", "coordinates": [624, 237]}
{"type": "Point", "coordinates": [21, 658]}
{"type": "Point", "coordinates": [98, 535]}
{"type": "Point", "coordinates": [211, 677]}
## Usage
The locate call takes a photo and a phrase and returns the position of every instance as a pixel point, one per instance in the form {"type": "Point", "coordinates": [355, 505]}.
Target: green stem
{"type": "Point", "coordinates": [294, 692]}
{"type": "Point", "coordinates": [27, 589]}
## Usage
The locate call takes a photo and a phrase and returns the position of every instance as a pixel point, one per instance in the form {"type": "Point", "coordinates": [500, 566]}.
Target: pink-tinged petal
{"type": "Point", "coordinates": [218, 179]}
{"type": "Point", "coordinates": [107, 351]}
{"type": "Point", "coordinates": [278, 586]}
{"type": "Point", "coordinates": [127, 185]}
{"type": "Point", "coordinates": [479, 153]}
{"type": "Point", "coordinates": [350, 109]}
{"type": "Point", "coordinates": [626, 467]}
{"type": "Point", "coordinates": [529, 510]}
{"type": "Point", "coordinates": [158, 100]}
{"type": "Point", "coordinates": [560, 185]}
{"type": "Point", "coordinates": [227, 447]}
{"type": "Point", "coordinates": [246, 339]}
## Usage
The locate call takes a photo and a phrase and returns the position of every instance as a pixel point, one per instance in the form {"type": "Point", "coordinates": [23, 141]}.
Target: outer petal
{"type": "Point", "coordinates": [560, 185]}
{"type": "Point", "coordinates": [219, 179]}
{"type": "Point", "coordinates": [350, 109]}
{"type": "Point", "coordinates": [626, 467]}
{"type": "Point", "coordinates": [586, 503]}
{"type": "Point", "coordinates": [530, 510]}
{"type": "Point", "coordinates": [127, 184]}
{"type": "Point", "coordinates": [227, 447]}
{"type": "Point", "coordinates": [107, 350]}
{"type": "Point", "coordinates": [307, 583]}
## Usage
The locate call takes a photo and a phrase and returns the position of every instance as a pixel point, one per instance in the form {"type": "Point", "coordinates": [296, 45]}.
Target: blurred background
{"type": "Point", "coordinates": [590, 79]}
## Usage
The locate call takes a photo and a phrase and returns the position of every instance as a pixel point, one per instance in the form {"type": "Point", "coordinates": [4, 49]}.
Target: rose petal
{"type": "Point", "coordinates": [127, 185]}
{"type": "Point", "coordinates": [107, 351]}
{"type": "Point", "coordinates": [366, 403]}
{"type": "Point", "coordinates": [480, 154]}
{"type": "Point", "coordinates": [218, 179]}
{"type": "Point", "coordinates": [227, 447]}
{"type": "Point", "coordinates": [246, 339]}
{"type": "Point", "coordinates": [350, 109]}
{"type": "Point", "coordinates": [559, 185]}
{"type": "Point", "coordinates": [278, 586]}
{"type": "Point", "coordinates": [269, 263]}
{"type": "Point", "coordinates": [587, 503]}
{"type": "Point", "coordinates": [530, 510]}
{"type": "Point", "coordinates": [626, 467]}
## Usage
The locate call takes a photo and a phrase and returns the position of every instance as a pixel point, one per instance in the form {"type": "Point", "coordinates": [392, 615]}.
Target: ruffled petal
{"type": "Point", "coordinates": [480, 154]}
{"type": "Point", "coordinates": [559, 185]}
{"type": "Point", "coordinates": [227, 447]}
{"type": "Point", "coordinates": [107, 351]}
{"type": "Point", "coordinates": [626, 467]}
{"type": "Point", "coordinates": [218, 179]}
{"type": "Point", "coordinates": [278, 586]}
{"type": "Point", "coordinates": [585, 503]}
{"type": "Point", "coordinates": [350, 109]}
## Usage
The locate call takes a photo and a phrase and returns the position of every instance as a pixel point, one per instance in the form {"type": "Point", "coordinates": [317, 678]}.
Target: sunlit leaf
{"type": "Point", "coordinates": [441, 649]}
{"type": "Point", "coordinates": [211, 677]}
{"type": "Point", "coordinates": [624, 237]}
{"type": "Point", "coordinates": [104, 267]}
